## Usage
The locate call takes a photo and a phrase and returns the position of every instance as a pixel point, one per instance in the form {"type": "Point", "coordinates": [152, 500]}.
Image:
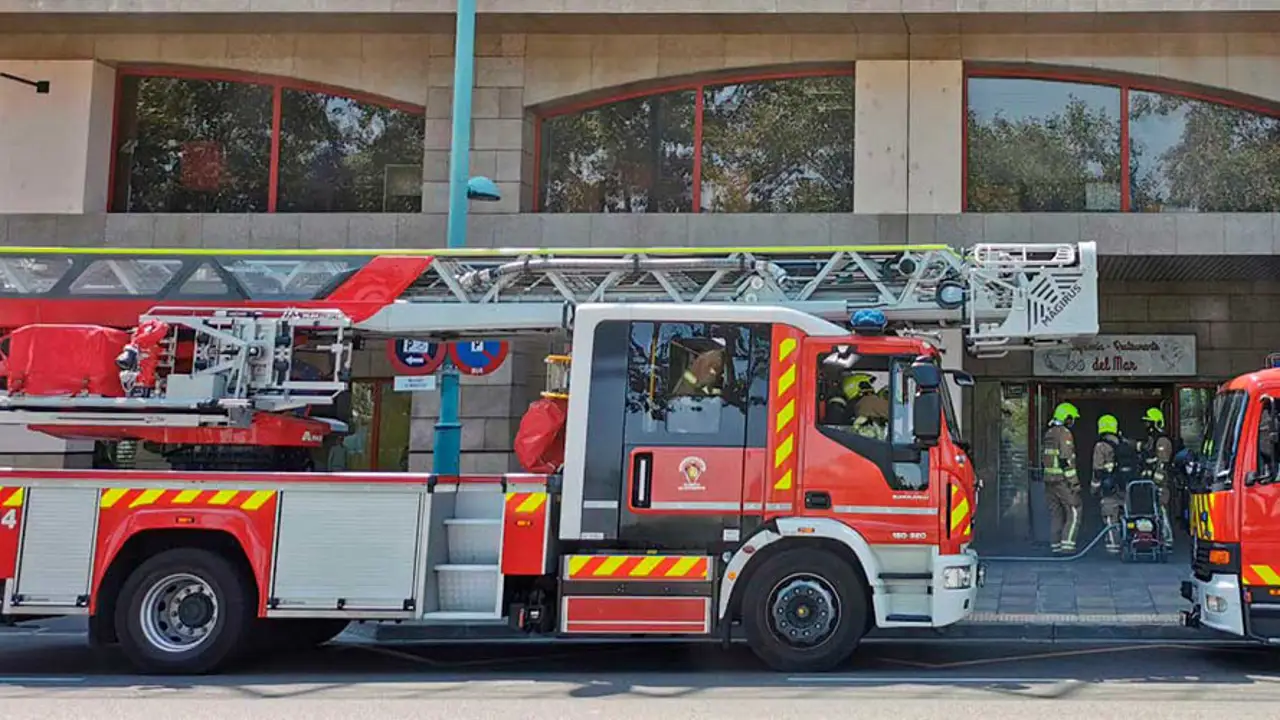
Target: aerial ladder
{"type": "Point", "coordinates": [211, 346]}
{"type": "Point", "coordinates": [668, 493]}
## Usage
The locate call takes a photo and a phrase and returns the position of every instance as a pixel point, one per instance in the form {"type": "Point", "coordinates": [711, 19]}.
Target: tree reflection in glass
{"type": "Point", "coordinates": [778, 146]}
{"type": "Point", "coordinates": [193, 146]}
{"type": "Point", "coordinates": [342, 155]}
{"type": "Point", "coordinates": [1189, 155]}
{"type": "Point", "coordinates": [1042, 146]}
{"type": "Point", "coordinates": [632, 156]}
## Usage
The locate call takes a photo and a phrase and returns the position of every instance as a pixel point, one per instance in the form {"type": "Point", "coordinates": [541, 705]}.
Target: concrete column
{"type": "Point", "coordinates": [935, 141]}
{"type": "Point", "coordinates": [880, 106]}
{"type": "Point", "coordinates": [55, 149]}
{"type": "Point", "coordinates": [909, 147]}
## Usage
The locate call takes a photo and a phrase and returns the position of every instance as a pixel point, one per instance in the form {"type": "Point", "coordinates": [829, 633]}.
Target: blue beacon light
{"type": "Point", "coordinates": [869, 321]}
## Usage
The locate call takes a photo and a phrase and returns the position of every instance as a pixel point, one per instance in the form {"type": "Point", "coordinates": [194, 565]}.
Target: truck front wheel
{"type": "Point", "coordinates": [804, 610]}
{"type": "Point", "coordinates": [184, 611]}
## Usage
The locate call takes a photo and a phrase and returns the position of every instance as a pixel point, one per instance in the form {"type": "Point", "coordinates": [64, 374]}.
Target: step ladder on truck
{"type": "Point", "coordinates": [687, 474]}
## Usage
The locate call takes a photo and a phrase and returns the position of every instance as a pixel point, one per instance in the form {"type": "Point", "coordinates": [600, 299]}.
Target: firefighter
{"type": "Point", "coordinates": [1062, 484]}
{"type": "Point", "coordinates": [1114, 464]}
{"type": "Point", "coordinates": [1156, 450]}
{"type": "Point", "coordinates": [871, 413]}
{"type": "Point", "coordinates": [839, 407]}
{"type": "Point", "coordinates": [703, 376]}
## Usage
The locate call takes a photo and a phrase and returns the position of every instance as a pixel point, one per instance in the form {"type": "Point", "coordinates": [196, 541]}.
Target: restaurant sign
{"type": "Point", "coordinates": [1119, 356]}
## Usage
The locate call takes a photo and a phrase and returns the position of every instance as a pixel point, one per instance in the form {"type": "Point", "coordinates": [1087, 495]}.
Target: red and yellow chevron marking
{"type": "Point", "coordinates": [1202, 508]}
{"type": "Point", "coordinates": [1264, 575]}
{"type": "Point", "coordinates": [961, 517]}
{"type": "Point", "coordinates": [250, 500]}
{"type": "Point", "coordinates": [637, 567]}
{"type": "Point", "coordinates": [11, 497]}
{"type": "Point", "coordinates": [783, 423]}
{"type": "Point", "coordinates": [525, 503]}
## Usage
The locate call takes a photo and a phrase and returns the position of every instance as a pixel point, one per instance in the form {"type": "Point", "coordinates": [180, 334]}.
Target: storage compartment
{"type": "Point", "coordinates": [56, 560]}
{"type": "Point", "coordinates": [352, 550]}
{"type": "Point", "coordinates": [64, 360]}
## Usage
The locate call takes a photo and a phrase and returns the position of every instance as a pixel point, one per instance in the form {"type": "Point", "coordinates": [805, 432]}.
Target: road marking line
{"type": "Point", "coordinates": [41, 679]}
{"type": "Point", "coordinates": [1042, 656]}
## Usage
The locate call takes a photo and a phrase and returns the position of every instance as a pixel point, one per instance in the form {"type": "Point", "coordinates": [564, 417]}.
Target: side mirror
{"type": "Point", "coordinates": [926, 418]}
{"type": "Point", "coordinates": [961, 378]}
{"type": "Point", "coordinates": [926, 374]}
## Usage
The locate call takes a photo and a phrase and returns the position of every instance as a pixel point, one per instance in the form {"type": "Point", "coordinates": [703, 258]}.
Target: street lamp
{"type": "Point", "coordinates": [448, 440]}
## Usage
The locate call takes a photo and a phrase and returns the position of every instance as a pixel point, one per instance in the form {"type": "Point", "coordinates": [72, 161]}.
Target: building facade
{"type": "Point", "coordinates": [1148, 128]}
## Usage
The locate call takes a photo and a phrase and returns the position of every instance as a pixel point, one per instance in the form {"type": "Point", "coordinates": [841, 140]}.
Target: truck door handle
{"type": "Point", "coordinates": [817, 500]}
{"type": "Point", "coordinates": [641, 478]}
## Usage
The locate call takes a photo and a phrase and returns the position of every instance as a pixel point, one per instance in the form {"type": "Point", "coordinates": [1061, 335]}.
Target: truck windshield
{"type": "Point", "coordinates": [1228, 417]}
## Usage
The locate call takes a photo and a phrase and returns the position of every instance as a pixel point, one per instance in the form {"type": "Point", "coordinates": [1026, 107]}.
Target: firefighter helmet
{"type": "Point", "coordinates": [854, 385]}
{"type": "Point", "coordinates": [1154, 416]}
{"type": "Point", "coordinates": [1108, 424]}
{"type": "Point", "coordinates": [1065, 412]}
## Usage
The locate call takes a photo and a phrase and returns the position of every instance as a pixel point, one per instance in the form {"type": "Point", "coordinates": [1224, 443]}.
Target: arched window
{"type": "Point", "coordinates": [210, 142]}
{"type": "Point", "coordinates": [1041, 143]}
{"type": "Point", "coordinates": [781, 143]}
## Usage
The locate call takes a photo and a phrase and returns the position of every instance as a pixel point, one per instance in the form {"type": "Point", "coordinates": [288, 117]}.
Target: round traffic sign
{"type": "Point", "coordinates": [415, 357]}
{"type": "Point", "coordinates": [478, 357]}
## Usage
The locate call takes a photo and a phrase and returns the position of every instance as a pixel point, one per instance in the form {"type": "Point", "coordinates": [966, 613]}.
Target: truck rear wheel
{"type": "Point", "coordinates": [184, 611]}
{"type": "Point", "coordinates": [804, 611]}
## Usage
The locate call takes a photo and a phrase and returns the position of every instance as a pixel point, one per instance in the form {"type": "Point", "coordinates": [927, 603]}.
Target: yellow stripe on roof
{"type": "Point", "coordinates": [231, 253]}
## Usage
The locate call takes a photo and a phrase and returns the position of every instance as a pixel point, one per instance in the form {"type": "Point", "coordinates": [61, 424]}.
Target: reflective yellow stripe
{"type": "Point", "coordinates": [576, 562]}
{"type": "Point", "coordinates": [111, 497]}
{"type": "Point", "coordinates": [14, 500]}
{"type": "Point", "coordinates": [186, 497]}
{"type": "Point", "coordinates": [785, 348]}
{"type": "Point", "coordinates": [531, 503]}
{"type": "Point", "coordinates": [645, 567]}
{"type": "Point", "coordinates": [608, 566]}
{"type": "Point", "coordinates": [1268, 575]}
{"type": "Point", "coordinates": [958, 512]}
{"type": "Point", "coordinates": [148, 497]}
{"type": "Point", "coordinates": [257, 500]}
{"type": "Point", "coordinates": [784, 483]}
{"type": "Point", "coordinates": [222, 497]}
{"type": "Point", "coordinates": [682, 567]}
{"type": "Point", "coordinates": [786, 380]}
{"type": "Point", "coordinates": [784, 450]}
{"type": "Point", "coordinates": [785, 415]}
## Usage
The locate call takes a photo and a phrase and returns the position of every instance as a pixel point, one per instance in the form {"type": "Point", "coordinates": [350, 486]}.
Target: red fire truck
{"type": "Point", "coordinates": [1235, 575]}
{"type": "Point", "coordinates": [685, 477]}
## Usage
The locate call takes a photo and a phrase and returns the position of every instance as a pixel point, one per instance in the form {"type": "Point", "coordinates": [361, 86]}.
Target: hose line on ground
{"type": "Point", "coordinates": [1057, 558]}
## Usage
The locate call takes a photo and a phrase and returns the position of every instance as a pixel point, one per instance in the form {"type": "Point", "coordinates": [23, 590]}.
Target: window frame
{"type": "Point", "coordinates": [277, 83]}
{"type": "Point", "coordinates": [698, 85]}
{"type": "Point", "coordinates": [1122, 82]}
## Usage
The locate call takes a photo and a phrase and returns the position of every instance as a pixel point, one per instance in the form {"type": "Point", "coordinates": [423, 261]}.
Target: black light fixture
{"type": "Point", "coordinates": [41, 86]}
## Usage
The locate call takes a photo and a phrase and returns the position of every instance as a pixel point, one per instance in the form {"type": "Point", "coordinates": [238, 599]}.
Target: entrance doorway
{"type": "Point", "coordinates": [1128, 403]}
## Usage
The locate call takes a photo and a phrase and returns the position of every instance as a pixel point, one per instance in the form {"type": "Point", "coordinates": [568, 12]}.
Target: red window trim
{"type": "Point", "coordinates": [278, 85]}
{"type": "Point", "coordinates": [697, 85]}
{"type": "Point", "coordinates": [1125, 83]}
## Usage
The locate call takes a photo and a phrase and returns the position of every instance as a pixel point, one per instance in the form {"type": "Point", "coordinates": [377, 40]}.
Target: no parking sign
{"type": "Point", "coordinates": [415, 357]}
{"type": "Point", "coordinates": [479, 357]}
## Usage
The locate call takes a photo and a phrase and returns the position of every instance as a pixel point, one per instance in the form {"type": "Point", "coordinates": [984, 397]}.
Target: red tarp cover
{"type": "Point", "coordinates": [65, 360]}
{"type": "Point", "coordinates": [540, 440]}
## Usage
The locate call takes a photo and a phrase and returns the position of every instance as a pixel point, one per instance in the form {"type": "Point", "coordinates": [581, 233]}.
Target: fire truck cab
{"type": "Point", "coordinates": [719, 455]}
{"type": "Point", "coordinates": [1235, 496]}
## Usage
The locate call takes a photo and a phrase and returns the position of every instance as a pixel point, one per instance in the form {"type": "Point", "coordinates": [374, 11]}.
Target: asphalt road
{"type": "Point", "coordinates": [50, 673]}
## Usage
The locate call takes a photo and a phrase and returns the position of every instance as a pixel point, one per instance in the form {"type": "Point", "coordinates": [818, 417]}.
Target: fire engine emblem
{"type": "Point", "coordinates": [693, 468]}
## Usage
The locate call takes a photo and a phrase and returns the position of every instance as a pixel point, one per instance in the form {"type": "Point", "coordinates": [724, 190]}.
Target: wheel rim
{"type": "Point", "coordinates": [804, 611]}
{"type": "Point", "coordinates": [179, 613]}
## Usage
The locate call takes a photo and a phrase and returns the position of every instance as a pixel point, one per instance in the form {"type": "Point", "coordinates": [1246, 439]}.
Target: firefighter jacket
{"type": "Point", "coordinates": [1059, 454]}
{"type": "Point", "coordinates": [1157, 454]}
{"type": "Point", "coordinates": [1114, 464]}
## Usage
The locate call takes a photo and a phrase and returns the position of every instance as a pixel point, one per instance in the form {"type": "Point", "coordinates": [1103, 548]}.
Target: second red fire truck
{"type": "Point", "coordinates": [687, 479]}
